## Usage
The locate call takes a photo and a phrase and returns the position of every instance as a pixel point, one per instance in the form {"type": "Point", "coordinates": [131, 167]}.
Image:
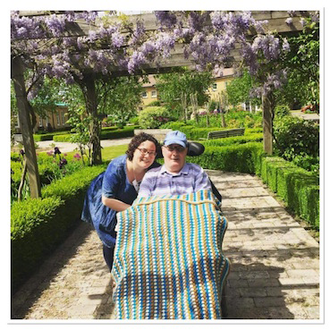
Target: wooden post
{"type": "Point", "coordinates": [26, 127]}
{"type": "Point", "coordinates": [267, 110]}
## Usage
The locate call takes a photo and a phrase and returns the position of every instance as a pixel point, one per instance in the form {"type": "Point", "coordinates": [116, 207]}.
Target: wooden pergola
{"type": "Point", "coordinates": [276, 22]}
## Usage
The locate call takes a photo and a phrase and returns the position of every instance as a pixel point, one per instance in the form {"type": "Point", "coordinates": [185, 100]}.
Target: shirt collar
{"type": "Point", "coordinates": [184, 170]}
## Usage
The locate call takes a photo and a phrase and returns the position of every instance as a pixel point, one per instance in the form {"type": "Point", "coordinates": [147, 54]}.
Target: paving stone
{"type": "Point", "coordinates": [274, 265]}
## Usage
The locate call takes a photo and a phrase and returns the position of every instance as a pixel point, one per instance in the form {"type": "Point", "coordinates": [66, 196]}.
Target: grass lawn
{"type": "Point", "coordinates": [109, 153]}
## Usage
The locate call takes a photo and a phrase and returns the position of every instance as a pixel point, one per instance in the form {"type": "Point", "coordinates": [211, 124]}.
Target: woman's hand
{"type": "Point", "coordinates": [115, 204]}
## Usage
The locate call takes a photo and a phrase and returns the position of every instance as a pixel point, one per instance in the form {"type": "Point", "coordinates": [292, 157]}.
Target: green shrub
{"type": "Point", "coordinates": [156, 103]}
{"type": "Point", "coordinates": [174, 125]}
{"type": "Point", "coordinates": [39, 225]}
{"type": "Point", "coordinates": [153, 117]}
{"type": "Point", "coordinates": [127, 131]}
{"type": "Point", "coordinates": [298, 188]}
{"type": "Point", "coordinates": [249, 131]}
{"type": "Point", "coordinates": [32, 235]}
{"type": "Point", "coordinates": [256, 137]}
{"type": "Point", "coordinates": [281, 111]}
{"type": "Point", "coordinates": [237, 158]}
{"type": "Point", "coordinates": [48, 167]}
{"type": "Point", "coordinates": [307, 162]}
{"type": "Point", "coordinates": [106, 133]}
{"type": "Point", "coordinates": [43, 137]}
{"type": "Point", "coordinates": [295, 136]}
{"type": "Point", "coordinates": [63, 138]}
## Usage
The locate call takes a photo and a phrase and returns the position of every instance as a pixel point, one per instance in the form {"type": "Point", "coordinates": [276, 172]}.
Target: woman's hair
{"type": "Point", "coordinates": [137, 140]}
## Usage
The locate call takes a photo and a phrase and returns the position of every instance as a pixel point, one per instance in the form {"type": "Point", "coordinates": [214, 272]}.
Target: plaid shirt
{"type": "Point", "coordinates": [159, 181]}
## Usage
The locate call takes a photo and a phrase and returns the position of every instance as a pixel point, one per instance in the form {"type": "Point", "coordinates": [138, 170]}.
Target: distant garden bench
{"type": "Point", "coordinates": [225, 133]}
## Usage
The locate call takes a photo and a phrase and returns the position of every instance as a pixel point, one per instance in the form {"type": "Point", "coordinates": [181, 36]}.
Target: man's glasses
{"type": "Point", "coordinates": [145, 151]}
{"type": "Point", "coordinates": [178, 148]}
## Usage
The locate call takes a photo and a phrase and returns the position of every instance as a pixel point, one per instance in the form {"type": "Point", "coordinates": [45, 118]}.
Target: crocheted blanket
{"type": "Point", "coordinates": [168, 260]}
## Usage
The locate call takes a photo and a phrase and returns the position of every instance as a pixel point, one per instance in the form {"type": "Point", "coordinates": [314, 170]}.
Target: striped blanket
{"type": "Point", "coordinates": [168, 260]}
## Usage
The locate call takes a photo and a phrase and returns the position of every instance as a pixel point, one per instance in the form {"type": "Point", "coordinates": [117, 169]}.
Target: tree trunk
{"type": "Point", "coordinates": [21, 185]}
{"type": "Point", "coordinates": [26, 127]}
{"type": "Point", "coordinates": [267, 112]}
{"type": "Point", "coordinates": [94, 129]}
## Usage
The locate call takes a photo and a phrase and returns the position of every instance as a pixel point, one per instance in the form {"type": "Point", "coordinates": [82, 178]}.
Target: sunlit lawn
{"type": "Point", "coordinates": [109, 153]}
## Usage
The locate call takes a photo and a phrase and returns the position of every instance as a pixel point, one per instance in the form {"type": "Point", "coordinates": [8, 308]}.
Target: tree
{"type": "Point", "coordinates": [174, 86]}
{"type": "Point", "coordinates": [121, 99]}
{"type": "Point", "coordinates": [302, 62]}
{"type": "Point", "coordinates": [239, 90]}
{"type": "Point", "coordinates": [54, 45]}
{"type": "Point", "coordinates": [81, 48]}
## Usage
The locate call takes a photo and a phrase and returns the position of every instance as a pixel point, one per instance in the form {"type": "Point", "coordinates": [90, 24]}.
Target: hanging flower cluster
{"type": "Point", "coordinates": [207, 38]}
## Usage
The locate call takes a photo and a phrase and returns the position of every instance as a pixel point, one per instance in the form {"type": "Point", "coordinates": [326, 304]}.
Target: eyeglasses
{"type": "Point", "coordinates": [146, 151]}
{"type": "Point", "coordinates": [178, 148]}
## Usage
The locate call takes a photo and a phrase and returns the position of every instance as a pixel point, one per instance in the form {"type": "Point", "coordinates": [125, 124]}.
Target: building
{"type": "Point", "coordinates": [54, 121]}
{"type": "Point", "coordinates": [222, 78]}
{"type": "Point", "coordinates": [149, 93]}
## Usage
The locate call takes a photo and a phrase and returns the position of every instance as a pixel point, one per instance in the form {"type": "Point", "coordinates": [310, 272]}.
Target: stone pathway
{"type": "Point", "coordinates": [274, 265]}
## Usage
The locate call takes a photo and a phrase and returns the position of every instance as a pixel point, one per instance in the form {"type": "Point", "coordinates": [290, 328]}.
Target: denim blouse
{"type": "Point", "coordinates": [113, 183]}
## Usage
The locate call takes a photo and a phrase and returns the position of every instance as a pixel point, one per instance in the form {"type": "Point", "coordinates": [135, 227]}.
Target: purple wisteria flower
{"type": "Point", "coordinates": [285, 45]}
{"type": "Point", "coordinates": [289, 21]}
{"type": "Point", "coordinates": [166, 18]}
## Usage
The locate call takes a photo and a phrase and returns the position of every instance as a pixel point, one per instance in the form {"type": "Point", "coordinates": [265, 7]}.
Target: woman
{"type": "Point", "coordinates": [115, 189]}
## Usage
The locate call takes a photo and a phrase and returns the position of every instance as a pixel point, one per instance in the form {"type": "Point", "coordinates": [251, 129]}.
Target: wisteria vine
{"type": "Point", "coordinates": [208, 39]}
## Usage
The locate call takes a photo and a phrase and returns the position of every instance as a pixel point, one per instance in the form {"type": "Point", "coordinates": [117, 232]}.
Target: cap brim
{"type": "Point", "coordinates": [181, 143]}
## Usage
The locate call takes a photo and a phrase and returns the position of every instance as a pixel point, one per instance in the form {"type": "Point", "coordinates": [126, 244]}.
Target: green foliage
{"type": "Point", "coordinates": [253, 137]}
{"type": "Point", "coordinates": [47, 136]}
{"type": "Point", "coordinates": [296, 137]}
{"type": "Point", "coordinates": [49, 169]}
{"type": "Point", "coordinates": [231, 158]}
{"type": "Point", "coordinates": [233, 119]}
{"type": "Point", "coordinates": [238, 90]}
{"type": "Point", "coordinates": [281, 111]}
{"type": "Point", "coordinates": [127, 131]}
{"type": "Point", "coordinates": [121, 99]}
{"type": "Point", "coordinates": [153, 117]}
{"type": "Point", "coordinates": [298, 188]}
{"type": "Point", "coordinates": [39, 225]}
{"type": "Point", "coordinates": [173, 86]}
{"type": "Point", "coordinates": [106, 134]}
{"type": "Point", "coordinates": [302, 62]}
{"type": "Point", "coordinates": [156, 103]}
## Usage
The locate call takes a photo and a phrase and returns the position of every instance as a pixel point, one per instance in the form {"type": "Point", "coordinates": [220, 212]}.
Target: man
{"type": "Point", "coordinates": [175, 177]}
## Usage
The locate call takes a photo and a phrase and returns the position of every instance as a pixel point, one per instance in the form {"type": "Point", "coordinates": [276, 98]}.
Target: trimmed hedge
{"type": "Point", "coordinates": [106, 134]}
{"type": "Point", "coordinates": [199, 133]}
{"type": "Point", "coordinates": [234, 158]}
{"type": "Point", "coordinates": [253, 137]}
{"type": "Point", "coordinates": [43, 137]}
{"type": "Point", "coordinates": [39, 225]}
{"type": "Point", "coordinates": [46, 136]}
{"type": "Point", "coordinates": [297, 188]}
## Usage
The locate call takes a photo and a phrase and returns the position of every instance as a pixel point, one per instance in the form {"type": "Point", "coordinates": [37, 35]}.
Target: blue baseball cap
{"type": "Point", "coordinates": [176, 137]}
